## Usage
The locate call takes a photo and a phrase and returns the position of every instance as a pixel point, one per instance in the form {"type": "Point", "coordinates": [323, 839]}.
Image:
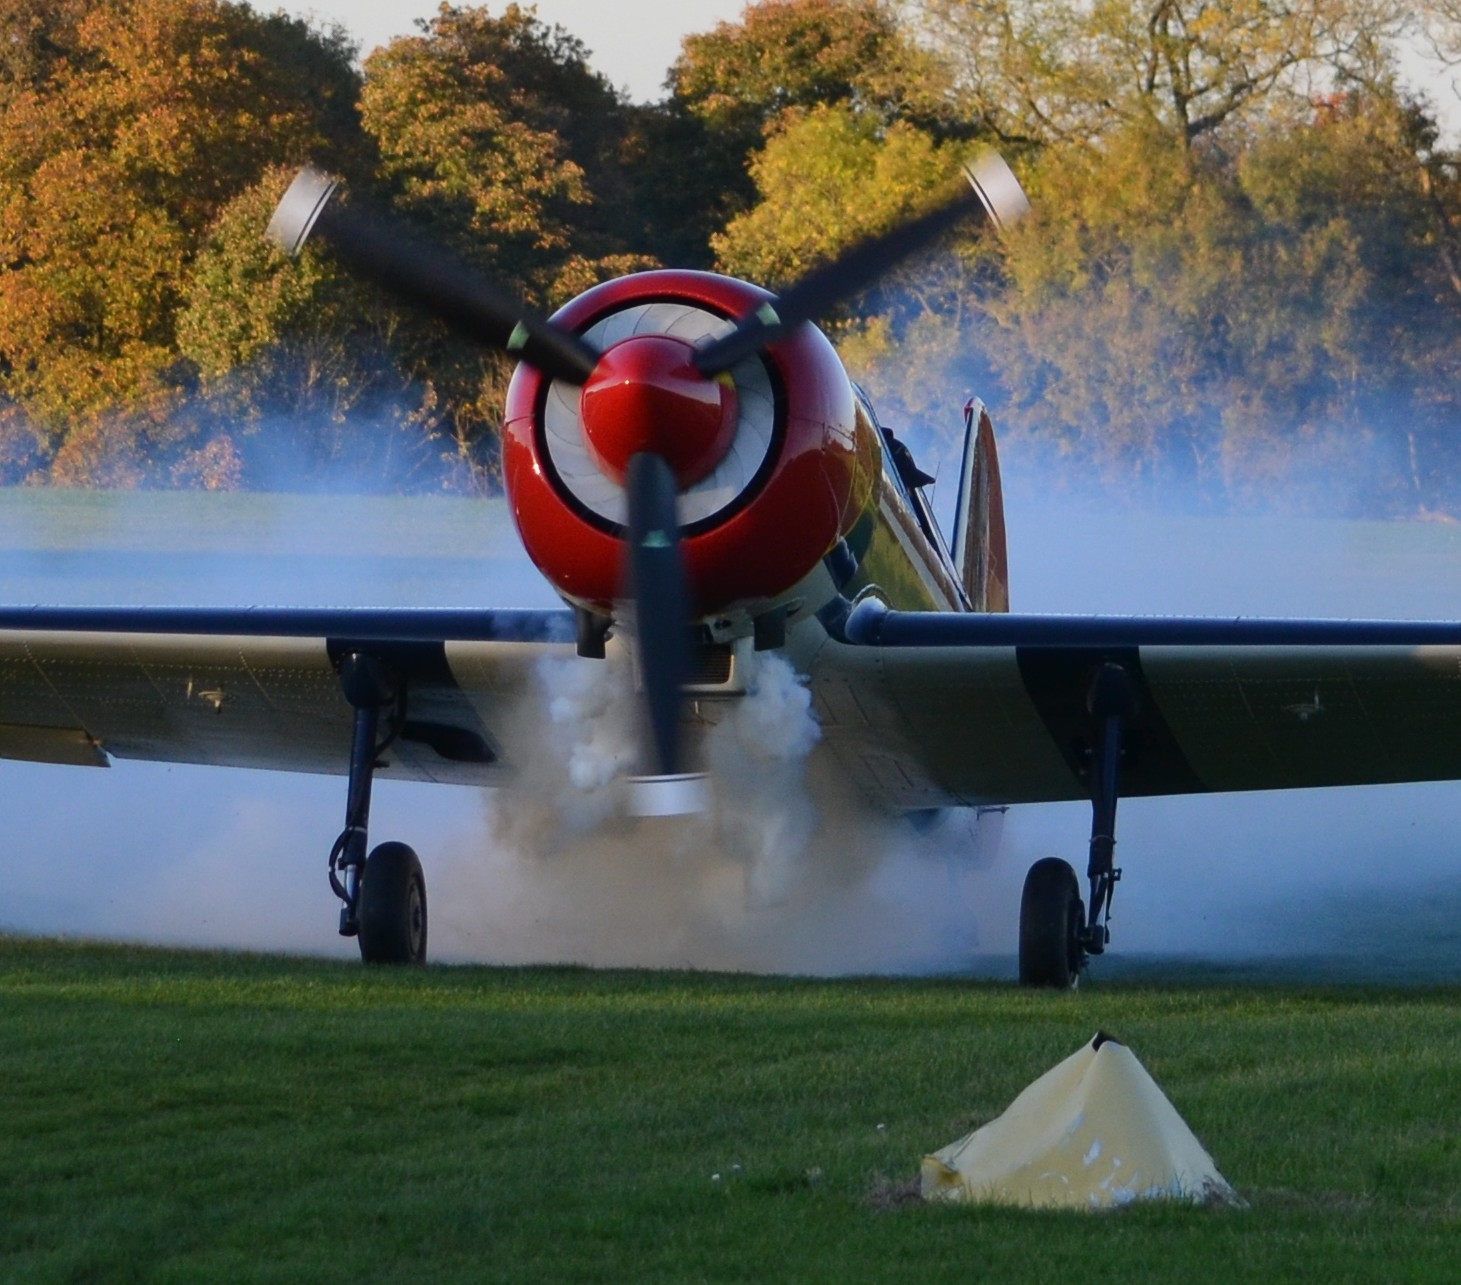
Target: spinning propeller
{"type": "Point", "coordinates": [658, 414]}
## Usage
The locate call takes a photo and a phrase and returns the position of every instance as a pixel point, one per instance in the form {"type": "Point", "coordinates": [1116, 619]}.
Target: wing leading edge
{"type": "Point", "coordinates": [926, 708]}
{"type": "Point", "coordinates": [997, 708]}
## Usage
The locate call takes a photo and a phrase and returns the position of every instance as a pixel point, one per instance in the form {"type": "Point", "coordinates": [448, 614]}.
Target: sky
{"type": "Point", "coordinates": [632, 42]}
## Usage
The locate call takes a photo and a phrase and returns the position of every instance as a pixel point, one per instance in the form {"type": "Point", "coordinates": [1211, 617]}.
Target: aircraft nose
{"type": "Point", "coordinates": [645, 395]}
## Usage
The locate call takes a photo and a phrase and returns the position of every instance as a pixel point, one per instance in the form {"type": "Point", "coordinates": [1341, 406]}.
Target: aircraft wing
{"type": "Point", "coordinates": [924, 708]}
{"type": "Point", "coordinates": [995, 708]}
{"type": "Point", "coordinates": [258, 687]}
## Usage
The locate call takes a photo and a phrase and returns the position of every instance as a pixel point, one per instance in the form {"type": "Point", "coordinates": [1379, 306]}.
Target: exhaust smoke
{"type": "Point", "coordinates": [786, 872]}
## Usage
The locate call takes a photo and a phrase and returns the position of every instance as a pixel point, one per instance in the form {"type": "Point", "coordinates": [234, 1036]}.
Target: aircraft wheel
{"type": "Point", "coordinates": [1051, 918]}
{"type": "Point", "coordinates": [393, 907]}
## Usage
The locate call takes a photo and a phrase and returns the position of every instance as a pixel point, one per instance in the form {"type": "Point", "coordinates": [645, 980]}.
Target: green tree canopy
{"type": "Point", "coordinates": [1251, 323]}
{"type": "Point", "coordinates": [129, 125]}
{"type": "Point", "coordinates": [735, 86]}
{"type": "Point", "coordinates": [827, 178]}
{"type": "Point", "coordinates": [1036, 71]}
{"type": "Point", "coordinates": [1244, 270]}
{"type": "Point", "coordinates": [484, 132]}
{"type": "Point", "coordinates": [472, 151]}
{"type": "Point", "coordinates": [796, 54]}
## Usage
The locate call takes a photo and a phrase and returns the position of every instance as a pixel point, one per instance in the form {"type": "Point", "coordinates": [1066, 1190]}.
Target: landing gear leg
{"type": "Point", "coordinates": [383, 896]}
{"type": "Point", "coordinates": [1111, 701]}
{"type": "Point", "coordinates": [1057, 932]}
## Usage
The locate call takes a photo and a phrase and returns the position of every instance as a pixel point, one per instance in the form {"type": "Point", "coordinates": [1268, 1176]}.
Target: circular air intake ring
{"type": "Point", "coordinates": [570, 452]}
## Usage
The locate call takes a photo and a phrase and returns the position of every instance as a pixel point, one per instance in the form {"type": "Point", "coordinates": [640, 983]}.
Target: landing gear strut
{"type": "Point", "coordinates": [1057, 931]}
{"type": "Point", "coordinates": [382, 896]}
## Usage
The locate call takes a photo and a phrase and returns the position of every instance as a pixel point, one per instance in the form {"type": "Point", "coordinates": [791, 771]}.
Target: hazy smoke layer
{"type": "Point", "coordinates": [786, 873]}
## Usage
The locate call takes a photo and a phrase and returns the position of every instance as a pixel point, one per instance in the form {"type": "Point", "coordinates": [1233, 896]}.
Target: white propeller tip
{"type": "Point", "coordinates": [998, 189]}
{"type": "Point", "coordinates": [299, 209]}
{"type": "Point", "coordinates": [669, 796]}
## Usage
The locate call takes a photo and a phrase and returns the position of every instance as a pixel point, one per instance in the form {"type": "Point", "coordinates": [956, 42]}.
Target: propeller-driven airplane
{"type": "Point", "coordinates": [693, 472]}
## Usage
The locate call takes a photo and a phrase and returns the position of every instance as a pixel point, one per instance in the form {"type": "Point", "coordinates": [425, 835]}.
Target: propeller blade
{"type": "Point", "coordinates": [383, 250]}
{"type": "Point", "coordinates": [661, 601]}
{"type": "Point", "coordinates": [1001, 198]}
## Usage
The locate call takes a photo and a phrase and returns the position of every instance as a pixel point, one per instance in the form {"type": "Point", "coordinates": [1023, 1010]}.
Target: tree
{"type": "Point", "coordinates": [146, 330]}
{"type": "Point", "coordinates": [1273, 321]}
{"type": "Point", "coordinates": [786, 55]}
{"type": "Point", "coordinates": [477, 121]}
{"type": "Point", "coordinates": [831, 176]}
{"type": "Point", "coordinates": [1230, 283]}
{"type": "Point", "coordinates": [734, 87]}
{"type": "Point", "coordinates": [128, 127]}
{"type": "Point", "coordinates": [488, 130]}
{"type": "Point", "coordinates": [826, 179]}
{"type": "Point", "coordinates": [1037, 71]}
{"type": "Point", "coordinates": [304, 379]}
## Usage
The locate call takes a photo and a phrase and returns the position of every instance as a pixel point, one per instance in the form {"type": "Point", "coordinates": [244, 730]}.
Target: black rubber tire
{"type": "Point", "coordinates": [393, 907]}
{"type": "Point", "coordinates": [1051, 917]}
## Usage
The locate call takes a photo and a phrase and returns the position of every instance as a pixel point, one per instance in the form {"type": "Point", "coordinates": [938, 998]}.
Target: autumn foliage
{"type": "Point", "coordinates": [1242, 281]}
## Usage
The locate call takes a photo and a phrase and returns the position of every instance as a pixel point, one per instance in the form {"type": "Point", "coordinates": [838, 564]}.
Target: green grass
{"type": "Point", "coordinates": [183, 1116]}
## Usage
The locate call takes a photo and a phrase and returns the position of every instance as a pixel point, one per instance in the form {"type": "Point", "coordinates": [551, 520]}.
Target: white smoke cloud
{"type": "Point", "coordinates": [757, 759]}
{"type": "Point", "coordinates": [787, 873]}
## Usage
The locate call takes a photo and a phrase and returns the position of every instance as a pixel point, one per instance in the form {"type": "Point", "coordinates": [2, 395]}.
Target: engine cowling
{"type": "Point", "coordinates": [772, 463]}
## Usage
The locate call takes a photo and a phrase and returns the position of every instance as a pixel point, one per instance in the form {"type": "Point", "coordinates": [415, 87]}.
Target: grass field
{"type": "Point", "coordinates": [188, 1116]}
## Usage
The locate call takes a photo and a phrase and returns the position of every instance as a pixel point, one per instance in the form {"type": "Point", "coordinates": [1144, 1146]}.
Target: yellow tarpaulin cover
{"type": "Point", "coordinates": [1093, 1132]}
